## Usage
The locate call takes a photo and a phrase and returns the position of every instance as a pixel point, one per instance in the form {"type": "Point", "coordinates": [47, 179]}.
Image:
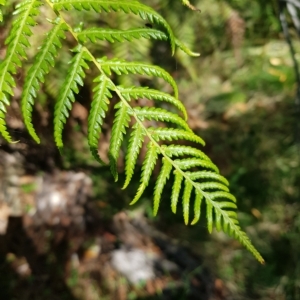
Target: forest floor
{"type": "Point", "coordinates": [56, 243]}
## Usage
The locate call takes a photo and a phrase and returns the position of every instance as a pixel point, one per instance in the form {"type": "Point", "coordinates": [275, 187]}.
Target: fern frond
{"type": "Point", "coordinates": [151, 94]}
{"type": "Point", "coordinates": [195, 175]}
{"type": "Point", "coordinates": [97, 113]}
{"type": "Point", "coordinates": [44, 60]}
{"type": "Point", "coordinates": [70, 86]}
{"type": "Point", "coordinates": [135, 144]}
{"type": "Point", "coordinates": [17, 42]}
{"type": "Point", "coordinates": [125, 67]}
{"type": "Point", "coordinates": [145, 12]}
{"type": "Point", "coordinates": [148, 166]}
{"type": "Point", "coordinates": [158, 114]}
{"type": "Point", "coordinates": [160, 183]}
{"type": "Point", "coordinates": [118, 130]}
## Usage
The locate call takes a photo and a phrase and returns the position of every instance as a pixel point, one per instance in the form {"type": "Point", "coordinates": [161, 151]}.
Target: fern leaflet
{"type": "Point", "coordinates": [135, 7]}
{"type": "Point", "coordinates": [186, 200]}
{"type": "Point", "coordinates": [125, 67]}
{"type": "Point", "coordinates": [135, 144]}
{"type": "Point", "coordinates": [151, 94]}
{"type": "Point", "coordinates": [117, 35]}
{"type": "Point", "coordinates": [44, 60]}
{"type": "Point", "coordinates": [70, 86]}
{"type": "Point", "coordinates": [158, 114]}
{"type": "Point", "coordinates": [163, 134]}
{"type": "Point", "coordinates": [119, 129]}
{"type": "Point", "coordinates": [17, 41]}
{"type": "Point", "coordinates": [148, 166]}
{"type": "Point", "coordinates": [160, 183]}
{"type": "Point", "coordinates": [197, 207]}
{"type": "Point", "coordinates": [176, 190]}
{"type": "Point", "coordinates": [97, 114]}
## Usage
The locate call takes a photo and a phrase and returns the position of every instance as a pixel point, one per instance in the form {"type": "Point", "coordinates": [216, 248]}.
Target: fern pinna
{"type": "Point", "coordinates": [196, 180]}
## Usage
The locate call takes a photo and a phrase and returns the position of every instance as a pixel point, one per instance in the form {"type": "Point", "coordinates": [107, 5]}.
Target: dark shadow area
{"type": "Point", "coordinates": [47, 279]}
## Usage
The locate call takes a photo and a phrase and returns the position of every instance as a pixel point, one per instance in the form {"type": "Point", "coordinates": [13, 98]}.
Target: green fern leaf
{"type": "Point", "coordinates": [151, 94]}
{"type": "Point", "coordinates": [17, 42]}
{"type": "Point", "coordinates": [160, 183]}
{"type": "Point", "coordinates": [222, 194]}
{"type": "Point", "coordinates": [207, 175]}
{"type": "Point", "coordinates": [118, 130]}
{"type": "Point", "coordinates": [185, 164]}
{"type": "Point", "coordinates": [162, 134]}
{"type": "Point", "coordinates": [3, 128]}
{"type": "Point", "coordinates": [148, 166]}
{"type": "Point", "coordinates": [158, 114]}
{"type": "Point", "coordinates": [135, 7]}
{"type": "Point", "coordinates": [209, 216]}
{"type": "Point", "coordinates": [97, 113]}
{"type": "Point", "coordinates": [185, 49]}
{"type": "Point", "coordinates": [66, 95]}
{"type": "Point", "coordinates": [135, 144]}
{"type": "Point", "coordinates": [176, 190]}
{"type": "Point", "coordinates": [213, 186]}
{"type": "Point", "coordinates": [178, 150]}
{"type": "Point", "coordinates": [117, 35]}
{"type": "Point", "coordinates": [44, 60]}
{"type": "Point", "coordinates": [197, 207]}
{"type": "Point", "coordinates": [186, 201]}
{"type": "Point", "coordinates": [125, 67]}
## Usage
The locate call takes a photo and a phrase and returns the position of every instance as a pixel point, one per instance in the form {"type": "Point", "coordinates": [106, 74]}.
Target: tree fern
{"type": "Point", "coordinates": [197, 183]}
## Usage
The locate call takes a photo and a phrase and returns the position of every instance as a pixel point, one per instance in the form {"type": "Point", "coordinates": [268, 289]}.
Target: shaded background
{"type": "Point", "coordinates": [67, 229]}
